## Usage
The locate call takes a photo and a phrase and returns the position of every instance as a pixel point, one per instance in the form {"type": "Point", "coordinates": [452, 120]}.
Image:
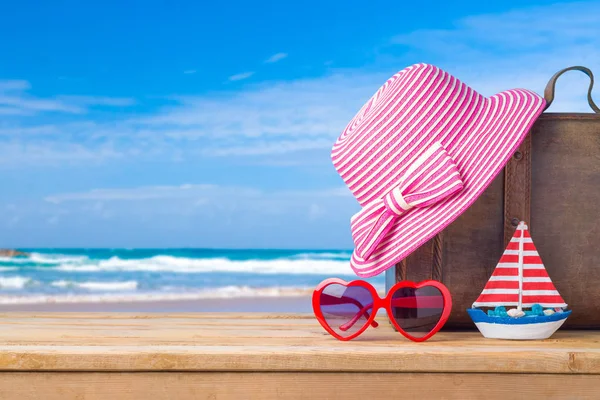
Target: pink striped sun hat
{"type": "Point", "coordinates": [419, 153]}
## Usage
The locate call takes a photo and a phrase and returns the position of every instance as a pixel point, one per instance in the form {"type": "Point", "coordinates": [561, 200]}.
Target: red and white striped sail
{"type": "Point", "coordinates": [520, 278]}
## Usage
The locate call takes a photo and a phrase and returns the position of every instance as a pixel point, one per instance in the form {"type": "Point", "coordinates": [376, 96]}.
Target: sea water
{"type": "Point", "coordinates": [103, 275]}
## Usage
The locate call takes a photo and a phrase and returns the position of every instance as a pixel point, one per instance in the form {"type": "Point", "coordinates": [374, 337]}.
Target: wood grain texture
{"type": "Point", "coordinates": [248, 342]}
{"type": "Point", "coordinates": [564, 211]}
{"type": "Point", "coordinates": [517, 189]}
{"type": "Point", "coordinates": [286, 385]}
{"type": "Point", "coordinates": [473, 244]}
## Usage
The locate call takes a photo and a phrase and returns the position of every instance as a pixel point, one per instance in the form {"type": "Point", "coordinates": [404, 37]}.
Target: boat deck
{"type": "Point", "coordinates": [266, 356]}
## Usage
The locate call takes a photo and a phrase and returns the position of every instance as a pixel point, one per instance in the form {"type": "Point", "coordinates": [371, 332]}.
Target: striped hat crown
{"type": "Point", "coordinates": [418, 153]}
{"type": "Point", "coordinates": [414, 109]}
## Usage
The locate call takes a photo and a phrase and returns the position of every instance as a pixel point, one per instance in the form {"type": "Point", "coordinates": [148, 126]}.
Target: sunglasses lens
{"type": "Point", "coordinates": [346, 309]}
{"type": "Point", "coordinates": [417, 311]}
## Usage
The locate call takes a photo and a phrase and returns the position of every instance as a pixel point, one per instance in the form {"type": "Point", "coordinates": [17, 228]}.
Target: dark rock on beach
{"type": "Point", "coordinates": [12, 253]}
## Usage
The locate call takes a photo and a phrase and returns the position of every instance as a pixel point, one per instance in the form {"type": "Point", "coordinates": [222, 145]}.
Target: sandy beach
{"type": "Point", "coordinates": [292, 304]}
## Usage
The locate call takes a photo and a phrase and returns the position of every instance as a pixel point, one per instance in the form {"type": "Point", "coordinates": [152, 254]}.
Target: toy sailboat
{"type": "Point", "coordinates": [520, 280]}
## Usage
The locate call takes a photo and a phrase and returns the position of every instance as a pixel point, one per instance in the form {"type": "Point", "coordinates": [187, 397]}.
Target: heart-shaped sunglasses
{"type": "Point", "coordinates": [346, 309]}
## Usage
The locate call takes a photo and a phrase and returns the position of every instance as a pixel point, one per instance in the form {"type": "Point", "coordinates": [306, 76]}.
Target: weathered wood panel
{"type": "Point", "coordinates": [229, 342]}
{"type": "Point", "coordinates": [287, 385]}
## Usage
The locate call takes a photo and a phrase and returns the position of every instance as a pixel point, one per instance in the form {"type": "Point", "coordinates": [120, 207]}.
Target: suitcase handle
{"type": "Point", "coordinates": [549, 91]}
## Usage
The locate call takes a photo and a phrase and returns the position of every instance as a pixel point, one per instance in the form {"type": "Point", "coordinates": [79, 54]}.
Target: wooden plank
{"type": "Point", "coordinates": [230, 342]}
{"type": "Point", "coordinates": [224, 386]}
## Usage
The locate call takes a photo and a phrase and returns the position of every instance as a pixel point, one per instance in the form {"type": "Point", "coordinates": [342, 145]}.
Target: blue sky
{"type": "Point", "coordinates": [128, 124]}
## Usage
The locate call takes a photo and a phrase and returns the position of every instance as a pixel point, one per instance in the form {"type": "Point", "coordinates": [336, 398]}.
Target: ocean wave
{"type": "Point", "coordinates": [200, 265]}
{"type": "Point", "coordinates": [226, 292]}
{"type": "Point", "coordinates": [39, 258]}
{"type": "Point", "coordinates": [100, 286]}
{"type": "Point", "coordinates": [56, 258]}
{"type": "Point", "coordinates": [14, 282]}
{"type": "Point", "coordinates": [323, 256]}
{"type": "Point", "coordinates": [14, 260]}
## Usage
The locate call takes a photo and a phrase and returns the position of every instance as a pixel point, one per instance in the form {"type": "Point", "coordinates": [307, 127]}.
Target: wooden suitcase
{"type": "Point", "coordinates": [553, 183]}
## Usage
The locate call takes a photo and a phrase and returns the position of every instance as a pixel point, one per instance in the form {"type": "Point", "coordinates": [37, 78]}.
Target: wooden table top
{"type": "Point", "coordinates": [267, 342]}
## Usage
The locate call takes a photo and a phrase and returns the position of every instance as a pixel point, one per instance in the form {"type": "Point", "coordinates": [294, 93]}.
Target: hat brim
{"type": "Point", "coordinates": [503, 122]}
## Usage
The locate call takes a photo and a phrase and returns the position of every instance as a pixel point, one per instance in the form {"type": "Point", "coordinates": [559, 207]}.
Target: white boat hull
{"type": "Point", "coordinates": [537, 331]}
{"type": "Point", "coordinates": [524, 328]}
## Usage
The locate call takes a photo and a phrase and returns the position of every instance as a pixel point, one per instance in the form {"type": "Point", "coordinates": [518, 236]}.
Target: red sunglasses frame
{"type": "Point", "coordinates": [378, 303]}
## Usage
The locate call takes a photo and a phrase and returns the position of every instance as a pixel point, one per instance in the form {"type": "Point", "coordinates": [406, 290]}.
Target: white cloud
{"type": "Point", "coordinates": [295, 122]}
{"type": "Point", "coordinates": [15, 100]}
{"type": "Point", "coordinates": [14, 111]}
{"type": "Point", "coordinates": [264, 148]}
{"type": "Point", "coordinates": [13, 85]}
{"type": "Point", "coordinates": [195, 215]}
{"type": "Point", "coordinates": [538, 29]}
{"type": "Point", "coordinates": [318, 107]}
{"type": "Point", "coordinates": [30, 130]}
{"type": "Point", "coordinates": [242, 206]}
{"type": "Point", "coordinates": [29, 104]}
{"type": "Point", "coordinates": [15, 154]}
{"type": "Point", "coordinates": [148, 192]}
{"type": "Point", "coordinates": [241, 76]}
{"type": "Point", "coordinates": [99, 101]}
{"type": "Point", "coordinates": [201, 193]}
{"type": "Point", "coordinates": [519, 48]}
{"type": "Point", "coordinates": [272, 119]}
{"type": "Point", "coordinates": [286, 123]}
{"type": "Point", "coordinates": [276, 57]}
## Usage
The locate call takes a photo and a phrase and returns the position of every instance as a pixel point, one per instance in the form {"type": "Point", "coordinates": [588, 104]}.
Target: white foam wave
{"type": "Point", "coordinates": [14, 282]}
{"type": "Point", "coordinates": [39, 258]}
{"type": "Point", "coordinates": [14, 260]}
{"type": "Point", "coordinates": [322, 256]}
{"type": "Point", "coordinates": [56, 258]}
{"type": "Point", "coordinates": [194, 265]}
{"type": "Point", "coordinates": [226, 292]}
{"type": "Point", "coordinates": [101, 286]}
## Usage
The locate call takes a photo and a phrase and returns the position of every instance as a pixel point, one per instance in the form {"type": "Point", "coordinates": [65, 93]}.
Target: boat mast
{"type": "Point", "coordinates": [521, 249]}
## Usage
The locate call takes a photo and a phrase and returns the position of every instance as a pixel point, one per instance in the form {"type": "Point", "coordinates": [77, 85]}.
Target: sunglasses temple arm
{"type": "Point", "coordinates": [410, 302]}
{"type": "Point", "coordinates": [360, 313]}
{"type": "Point", "coordinates": [345, 300]}
{"type": "Point", "coordinates": [420, 302]}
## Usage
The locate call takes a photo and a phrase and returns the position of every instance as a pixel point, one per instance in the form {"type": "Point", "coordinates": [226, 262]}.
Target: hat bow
{"type": "Point", "coordinates": [433, 177]}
